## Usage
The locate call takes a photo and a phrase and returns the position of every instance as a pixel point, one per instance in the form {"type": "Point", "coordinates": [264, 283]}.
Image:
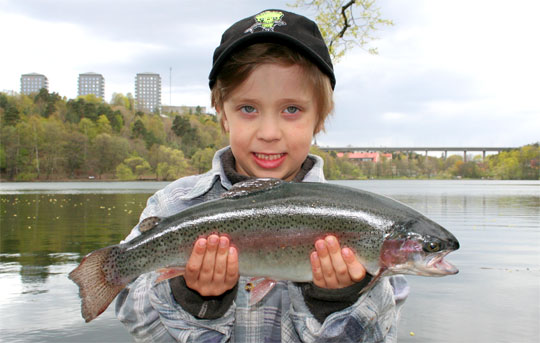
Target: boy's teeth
{"type": "Point", "coordinates": [268, 157]}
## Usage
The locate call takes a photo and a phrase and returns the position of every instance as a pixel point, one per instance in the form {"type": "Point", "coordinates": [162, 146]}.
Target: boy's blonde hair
{"type": "Point", "coordinates": [242, 63]}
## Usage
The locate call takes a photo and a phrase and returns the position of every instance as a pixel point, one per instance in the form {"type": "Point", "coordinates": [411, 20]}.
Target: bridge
{"type": "Point", "coordinates": [420, 148]}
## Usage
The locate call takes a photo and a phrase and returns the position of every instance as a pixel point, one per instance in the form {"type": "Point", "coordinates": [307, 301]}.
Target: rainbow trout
{"type": "Point", "coordinates": [274, 225]}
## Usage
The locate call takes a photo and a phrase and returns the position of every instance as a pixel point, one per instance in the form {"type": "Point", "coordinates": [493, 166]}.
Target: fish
{"type": "Point", "coordinates": [274, 225]}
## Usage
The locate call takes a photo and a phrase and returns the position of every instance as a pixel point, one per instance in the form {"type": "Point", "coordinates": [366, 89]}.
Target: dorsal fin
{"type": "Point", "coordinates": [148, 223]}
{"type": "Point", "coordinates": [251, 186]}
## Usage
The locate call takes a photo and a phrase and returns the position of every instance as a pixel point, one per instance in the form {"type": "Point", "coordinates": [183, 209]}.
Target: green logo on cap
{"type": "Point", "coordinates": [267, 20]}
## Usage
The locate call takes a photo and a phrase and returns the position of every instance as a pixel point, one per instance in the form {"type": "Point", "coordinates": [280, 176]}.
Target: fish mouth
{"type": "Point", "coordinates": [437, 266]}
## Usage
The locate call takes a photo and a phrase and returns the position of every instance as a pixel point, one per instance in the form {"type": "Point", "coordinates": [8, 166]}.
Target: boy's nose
{"type": "Point", "coordinates": [269, 129]}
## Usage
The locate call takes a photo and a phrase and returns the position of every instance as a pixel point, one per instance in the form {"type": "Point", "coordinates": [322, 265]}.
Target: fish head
{"type": "Point", "coordinates": [418, 247]}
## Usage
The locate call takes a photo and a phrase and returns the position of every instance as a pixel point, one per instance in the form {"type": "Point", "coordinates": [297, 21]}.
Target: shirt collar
{"type": "Point", "coordinates": [207, 180]}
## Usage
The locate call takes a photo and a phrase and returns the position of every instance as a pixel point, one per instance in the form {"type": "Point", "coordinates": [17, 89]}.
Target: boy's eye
{"type": "Point", "coordinates": [248, 109]}
{"type": "Point", "coordinates": [292, 109]}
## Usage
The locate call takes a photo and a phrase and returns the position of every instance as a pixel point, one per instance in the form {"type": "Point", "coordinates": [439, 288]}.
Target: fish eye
{"type": "Point", "coordinates": [432, 246]}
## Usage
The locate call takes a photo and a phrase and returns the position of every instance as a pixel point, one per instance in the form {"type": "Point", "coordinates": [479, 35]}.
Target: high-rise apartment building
{"type": "Point", "coordinates": [92, 83]}
{"type": "Point", "coordinates": [148, 92]}
{"type": "Point", "coordinates": [32, 83]}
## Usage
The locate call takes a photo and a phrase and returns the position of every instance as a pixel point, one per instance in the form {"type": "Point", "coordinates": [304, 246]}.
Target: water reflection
{"type": "Point", "coordinates": [42, 238]}
{"type": "Point", "coordinates": [40, 230]}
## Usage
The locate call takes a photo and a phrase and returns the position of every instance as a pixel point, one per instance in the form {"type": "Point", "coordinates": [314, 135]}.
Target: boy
{"type": "Point", "coordinates": [272, 84]}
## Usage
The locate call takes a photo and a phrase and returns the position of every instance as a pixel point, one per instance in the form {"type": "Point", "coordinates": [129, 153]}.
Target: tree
{"type": "Point", "coordinates": [81, 108]}
{"type": "Point", "coordinates": [346, 23]}
{"type": "Point", "coordinates": [202, 159]}
{"type": "Point", "coordinates": [9, 114]}
{"type": "Point", "coordinates": [88, 128]}
{"type": "Point", "coordinates": [103, 124]}
{"type": "Point", "coordinates": [46, 102]}
{"type": "Point", "coordinates": [190, 139]}
{"type": "Point", "coordinates": [181, 126]}
{"type": "Point", "coordinates": [10, 143]}
{"type": "Point", "coordinates": [107, 152]}
{"type": "Point", "coordinates": [173, 164]}
{"type": "Point", "coordinates": [75, 151]}
{"type": "Point", "coordinates": [124, 172]}
{"type": "Point", "coordinates": [91, 98]}
{"type": "Point", "coordinates": [138, 130]}
{"type": "Point", "coordinates": [138, 165]}
{"type": "Point", "coordinates": [52, 141]}
{"type": "Point", "coordinates": [330, 168]}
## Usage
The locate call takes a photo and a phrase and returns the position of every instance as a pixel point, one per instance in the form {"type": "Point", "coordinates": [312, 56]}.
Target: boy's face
{"type": "Point", "coordinates": [271, 118]}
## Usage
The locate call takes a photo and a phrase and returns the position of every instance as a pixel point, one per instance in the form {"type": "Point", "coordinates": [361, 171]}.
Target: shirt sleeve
{"type": "Point", "coordinates": [372, 318]}
{"type": "Point", "coordinates": [202, 307]}
{"type": "Point", "coordinates": [150, 313]}
{"type": "Point", "coordinates": [134, 310]}
{"type": "Point", "coordinates": [322, 302]}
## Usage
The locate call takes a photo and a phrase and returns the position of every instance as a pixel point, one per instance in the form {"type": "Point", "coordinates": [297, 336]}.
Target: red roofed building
{"type": "Point", "coordinates": [365, 156]}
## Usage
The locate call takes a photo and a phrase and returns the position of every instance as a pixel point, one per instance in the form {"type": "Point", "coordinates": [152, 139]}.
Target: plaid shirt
{"type": "Point", "coordinates": [151, 314]}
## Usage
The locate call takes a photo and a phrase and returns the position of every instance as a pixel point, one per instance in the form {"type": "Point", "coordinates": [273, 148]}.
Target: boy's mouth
{"type": "Point", "coordinates": [269, 161]}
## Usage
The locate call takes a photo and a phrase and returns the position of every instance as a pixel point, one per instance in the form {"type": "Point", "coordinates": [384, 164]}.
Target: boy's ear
{"type": "Point", "coordinates": [223, 119]}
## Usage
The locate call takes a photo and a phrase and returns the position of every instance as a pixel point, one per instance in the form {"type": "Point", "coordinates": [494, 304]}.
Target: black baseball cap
{"type": "Point", "coordinates": [275, 26]}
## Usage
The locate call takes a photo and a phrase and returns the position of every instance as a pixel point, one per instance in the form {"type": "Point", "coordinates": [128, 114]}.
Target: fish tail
{"type": "Point", "coordinates": [95, 289]}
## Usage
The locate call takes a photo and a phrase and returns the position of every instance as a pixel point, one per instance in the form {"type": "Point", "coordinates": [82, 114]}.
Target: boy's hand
{"type": "Point", "coordinates": [334, 267]}
{"type": "Point", "coordinates": [212, 268]}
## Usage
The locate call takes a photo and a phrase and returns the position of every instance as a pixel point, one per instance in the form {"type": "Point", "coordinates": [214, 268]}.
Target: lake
{"type": "Point", "coordinates": [46, 229]}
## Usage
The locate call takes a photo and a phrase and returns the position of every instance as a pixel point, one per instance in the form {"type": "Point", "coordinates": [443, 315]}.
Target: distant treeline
{"type": "Point", "coordinates": [48, 137]}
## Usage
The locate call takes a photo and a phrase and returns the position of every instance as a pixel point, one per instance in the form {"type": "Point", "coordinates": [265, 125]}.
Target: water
{"type": "Point", "coordinates": [46, 228]}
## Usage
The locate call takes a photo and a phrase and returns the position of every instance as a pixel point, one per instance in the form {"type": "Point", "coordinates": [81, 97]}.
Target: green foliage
{"type": "Point", "coordinates": [202, 159]}
{"type": "Point", "coordinates": [181, 126]}
{"type": "Point", "coordinates": [46, 102]}
{"type": "Point", "coordinates": [337, 168]}
{"type": "Point", "coordinates": [138, 166]}
{"type": "Point", "coordinates": [86, 136]}
{"type": "Point", "coordinates": [516, 164]}
{"type": "Point", "coordinates": [138, 130]}
{"type": "Point", "coordinates": [107, 150]}
{"type": "Point", "coordinates": [75, 151]}
{"type": "Point", "coordinates": [3, 164]}
{"type": "Point", "coordinates": [124, 173]}
{"type": "Point", "coordinates": [103, 124]}
{"type": "Point", "coordinates": [88, 128]}
{"type": "Point", "coordinates": [346, 23]}
{"type": "Point", "coordinates": [9, 114]}
{"type": "Point", "coordinates": [26, 176]}
{"type": "Point", "coordinates": [126, 101]}
{"type": "Point", "coordinates": [190, 136]}
{"type": "Point", "coordinates": [172, 164]}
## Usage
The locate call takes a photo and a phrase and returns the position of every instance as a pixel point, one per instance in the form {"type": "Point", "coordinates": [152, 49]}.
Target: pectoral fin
{"type": "Point", "coordinates": [260, 290]}
{"type": "Point", "coordinates": [169, 273]}
{"type": "Point", "coordinates": [148, 223]}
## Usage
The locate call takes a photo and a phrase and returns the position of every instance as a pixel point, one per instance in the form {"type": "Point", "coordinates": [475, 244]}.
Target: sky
{"type": "Point", "coordinates": [448, 73]}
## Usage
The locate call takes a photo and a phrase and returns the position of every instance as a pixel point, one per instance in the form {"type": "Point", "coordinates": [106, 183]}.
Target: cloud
{"type": "Point", "coordinates": [447, 73]}
{"type": "Point", "coordinates": [458, 72]}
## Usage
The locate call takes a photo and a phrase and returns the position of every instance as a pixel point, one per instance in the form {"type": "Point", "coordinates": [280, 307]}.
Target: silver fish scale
{"type": "Point", "coordinates": [274, 232]}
